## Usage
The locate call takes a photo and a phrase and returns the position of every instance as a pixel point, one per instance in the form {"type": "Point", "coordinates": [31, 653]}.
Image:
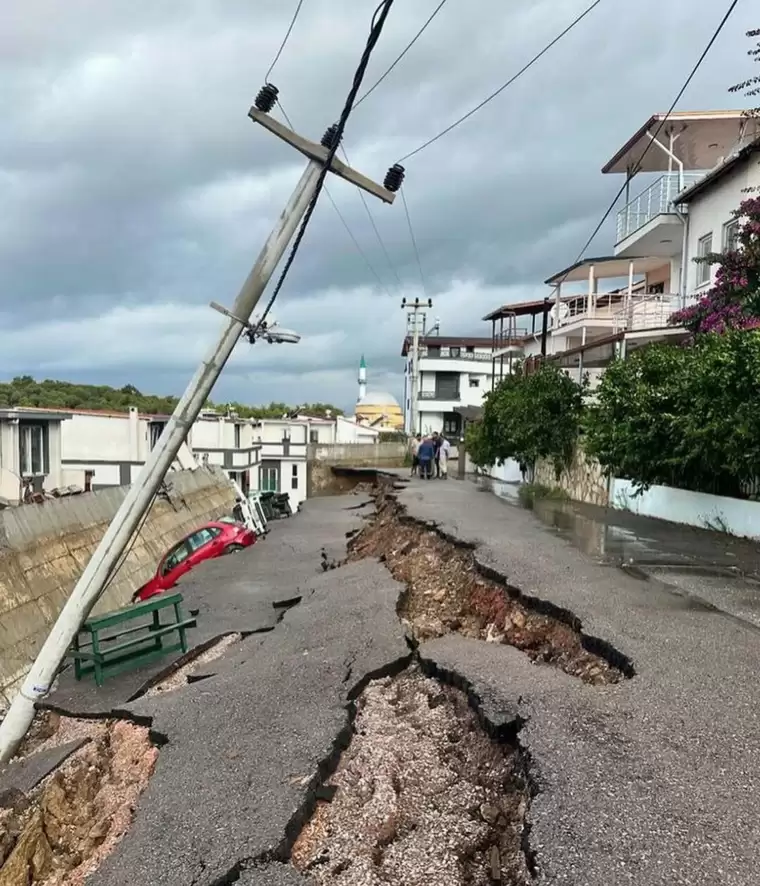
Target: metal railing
{"type": "Point", "coordinates": [652, 201]}
{"type": "Point", "coordinates": [650, 312]}
{"type": "Point", "coordinates": [463, 355]}
{"type": "Point", "coordinates": [440, 395]}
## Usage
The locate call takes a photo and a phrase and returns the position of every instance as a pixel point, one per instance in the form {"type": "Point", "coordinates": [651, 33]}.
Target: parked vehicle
{"type": "Point", "coordinates": [245, 512]}
{"type": "Point", "coordinates": [212, 540]}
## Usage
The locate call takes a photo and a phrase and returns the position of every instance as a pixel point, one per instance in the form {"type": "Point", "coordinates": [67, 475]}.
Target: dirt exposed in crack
{"type": "Point", "coordinates": [445, 593]}
{"type": "Point", "coordinates": [60, 832]}
{"type": "Point", "coordinates": [422, 795]}
{"type": "Point", "coordinates": [181, 676]}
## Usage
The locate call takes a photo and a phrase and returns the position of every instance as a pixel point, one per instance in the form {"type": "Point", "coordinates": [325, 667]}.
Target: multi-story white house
{"type": "Point", "coordinates": [698, 166]}
{"type": "Point", "coordinates": [453, 372]}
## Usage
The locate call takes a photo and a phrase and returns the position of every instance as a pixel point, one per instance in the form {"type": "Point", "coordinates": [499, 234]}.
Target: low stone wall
{"type": "Point", "coordinates": [583, 481]}
{"type": "Point", "coordinates": [322, 458]}
{"type": "Point", "coordinates": [44, 549]}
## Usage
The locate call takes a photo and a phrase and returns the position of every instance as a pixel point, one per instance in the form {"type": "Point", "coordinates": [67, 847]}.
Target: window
{"type": "Point", "coordinates": [237, 436]}
{"type": "Point", "coordinates": [455, 352]}
{"type": "Point", "coordinates": [434, 351]}
{"type": "Point", "coordinates": [270, 479]}
{"type": "Point", "coordinates": [704, 247]}
{"type": "Point", "coordinates": [155, 429]}
{"type": "Point", "coordinates": [470, 349]}
{"type": "Point", "coordinates": [202, 537]}
{"type": "Point", "coordinates": [33, 449]}
{"type": "Point", "coordinates": [731, 235]}
{"type": "Point", "coordinates": [313, 436]}
{"type": "Point", "coordinates": [294, 478]}
{"type": "Point", "coordinates": [176, 556]}
{"type": "Point", "coordinates": [474, 381]}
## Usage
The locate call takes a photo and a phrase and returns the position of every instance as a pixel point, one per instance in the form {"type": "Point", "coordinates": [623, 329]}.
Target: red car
{"type": "Point", "coordinates": [212, 540]}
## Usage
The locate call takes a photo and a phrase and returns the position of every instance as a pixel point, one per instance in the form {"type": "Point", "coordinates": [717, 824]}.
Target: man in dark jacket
{"type": "Point", "coordinates": [437, 441]}
{"type": "Point", "coordinates": [425, 454]}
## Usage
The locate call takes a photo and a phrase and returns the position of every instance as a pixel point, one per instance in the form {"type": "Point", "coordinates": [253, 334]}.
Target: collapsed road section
{"type": "Point", "coordinates": [447, 593]}
{"type": "Point", "coordinates": [421, 795]}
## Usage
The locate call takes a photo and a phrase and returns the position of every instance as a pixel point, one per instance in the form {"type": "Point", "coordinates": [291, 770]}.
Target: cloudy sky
{"type": "Point", "coordinates": [135, 189]}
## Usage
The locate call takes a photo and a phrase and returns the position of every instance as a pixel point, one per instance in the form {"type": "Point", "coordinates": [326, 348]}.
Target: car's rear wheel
{"type": "Point", "coordinates": [233, 549]}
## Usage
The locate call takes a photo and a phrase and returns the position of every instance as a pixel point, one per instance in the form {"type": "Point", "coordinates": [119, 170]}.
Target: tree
{"type": "Point", "coordinates": [751, 87]}
{"type": "Point", "coordinates": [686, 417]}
{"type": "Point", "coordinates": [529, 417]}
{"type": "Point", "coordinates": [52, 394]}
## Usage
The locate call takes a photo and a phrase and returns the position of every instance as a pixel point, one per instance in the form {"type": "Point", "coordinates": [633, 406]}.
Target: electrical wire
{"type": "Point", "coordinates": [375, 228]}
{"type": "Point", "coordinates": [654, 137]}
{"type": "Point", "coordinates": [378, 20]}
{"type": "Point", "coordinates": [284, 40]}
{"type": "Point", "coordinates": [414, 241]}
{"type": "Point", "coordinates": [504, 86]}
{"type": "Point", "coordinates": [342, 217]}
{"type": "Point", "coordinates": [402, 54]}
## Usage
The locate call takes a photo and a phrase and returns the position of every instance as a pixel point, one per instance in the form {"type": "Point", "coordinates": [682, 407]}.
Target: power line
{"type": "Point", "coordinates": [375, 228]}
{"type": "Point", "coordinates": [284, 40]}
{"type": "Point", "coordinates": [414, 240]}
{"type": "Point", "coordinates": [403, 53]}
{"type": "Point", "coordinates": [342, 218]}
{"type": "Point", "coordinates": [376, 28]}
{"type": "Point", "coordinates": [501, 89]}
{"type": "Point", "coordinates": [654, 137]}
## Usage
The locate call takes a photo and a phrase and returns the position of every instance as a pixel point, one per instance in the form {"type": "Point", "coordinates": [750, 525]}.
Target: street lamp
{"type": "Point", "coordinates": [270, 332]}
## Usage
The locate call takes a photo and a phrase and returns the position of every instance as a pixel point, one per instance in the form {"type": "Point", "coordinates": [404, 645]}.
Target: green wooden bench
{"type": "Point", "coordinates": [104, 647]}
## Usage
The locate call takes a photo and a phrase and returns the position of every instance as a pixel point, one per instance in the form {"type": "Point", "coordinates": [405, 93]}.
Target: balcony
{"type": "Point", "coordinates": [446, 396]}
{"type": "Point", "coordinates": [454, 354]}
{"type": "Point", "coordinates": [649, 312]}
{"type": "Point", "coordinates": [655, 200]}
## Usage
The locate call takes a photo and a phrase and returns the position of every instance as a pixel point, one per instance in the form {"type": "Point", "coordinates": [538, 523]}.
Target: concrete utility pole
{"type": "Point", "coordinates": [413, 321]}
{"type": "Point", "coordinates": [107, 558]}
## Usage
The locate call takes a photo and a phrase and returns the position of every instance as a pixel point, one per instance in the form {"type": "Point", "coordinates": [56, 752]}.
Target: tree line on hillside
{"type": "Point", "coordinates": [53, 394]}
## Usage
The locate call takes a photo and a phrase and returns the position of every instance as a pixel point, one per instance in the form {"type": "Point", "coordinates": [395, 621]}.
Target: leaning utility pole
{"type": "Point", "coordinates": [107, 558]}
{"type": "Point", "coordinates": [413, 320]}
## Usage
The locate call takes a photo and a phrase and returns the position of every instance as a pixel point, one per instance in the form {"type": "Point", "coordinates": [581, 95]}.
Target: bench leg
{"type": "Point", "coordinates": [97, 663]}
{"type": "Point", "coordinates": [156, 626]}
{"type": "Point", "coordinates": [77, 662]}
{"type": "Point", "coordinates": [179, 618]}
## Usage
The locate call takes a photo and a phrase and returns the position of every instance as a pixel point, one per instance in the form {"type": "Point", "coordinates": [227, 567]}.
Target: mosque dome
{"type": "Point", "coordinates": [378, 398]}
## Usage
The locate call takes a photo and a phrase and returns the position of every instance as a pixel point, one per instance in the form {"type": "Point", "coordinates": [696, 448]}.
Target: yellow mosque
{"type": "Point", "coordinates": [378, 409]}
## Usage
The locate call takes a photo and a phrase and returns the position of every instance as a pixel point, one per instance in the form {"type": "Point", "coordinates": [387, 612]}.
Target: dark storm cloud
{"type": "Point", "coordinates": [132, 177]}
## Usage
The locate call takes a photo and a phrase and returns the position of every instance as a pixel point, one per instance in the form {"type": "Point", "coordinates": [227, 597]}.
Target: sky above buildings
{"type": "Point", "coordinates": [135, 189]}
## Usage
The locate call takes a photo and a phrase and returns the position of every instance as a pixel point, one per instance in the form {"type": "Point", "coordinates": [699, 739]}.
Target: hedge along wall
{"type": "Point", "coordinates": [44, 549]}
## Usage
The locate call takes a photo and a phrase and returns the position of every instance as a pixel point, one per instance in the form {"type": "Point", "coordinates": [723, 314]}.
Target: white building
{"type": "Point", "coordinates": [30, 450]}
{"type": "Point", "coordinates": [699, 164]}
{"type": "Point", "coordinates": [453, 372]}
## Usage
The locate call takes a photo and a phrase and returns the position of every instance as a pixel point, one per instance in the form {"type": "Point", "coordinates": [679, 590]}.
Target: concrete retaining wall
{"type": "Point", "coordinates": [735, 516]}
{"type": "Point", "coordinates": [359, 454]}
{"type": "Point", "coordinates": [44, 549]}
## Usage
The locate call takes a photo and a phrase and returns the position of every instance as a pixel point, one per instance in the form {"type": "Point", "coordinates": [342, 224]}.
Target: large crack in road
{"type": "Point", "coordinates": [421, 795]}
{"type": "Point", "coordinates": [446, 592]}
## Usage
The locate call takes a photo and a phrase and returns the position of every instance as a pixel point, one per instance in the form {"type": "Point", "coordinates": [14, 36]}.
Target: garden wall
{"type": "Point", "coordinates": [732, 515]}
{"type": "Point", "coordinates": [583, 481]}
{"type": "Point", "coordinates": [44, 549]}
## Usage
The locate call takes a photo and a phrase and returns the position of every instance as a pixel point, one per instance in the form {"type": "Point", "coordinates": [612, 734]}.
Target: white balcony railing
{"type": "Point", "coordinates": [653, 201]}
{"type": "Point", "coordinates": [446, 354]}
{"type": "Point", "coordinates": [649, 312]}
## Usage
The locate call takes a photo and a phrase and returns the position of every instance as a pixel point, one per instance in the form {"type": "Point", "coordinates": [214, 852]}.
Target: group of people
{"type": "Point", "coordinates": [430, 453]}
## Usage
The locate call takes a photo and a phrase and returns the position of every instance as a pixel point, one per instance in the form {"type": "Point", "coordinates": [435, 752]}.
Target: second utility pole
{"type": "Point", "coordinates": [413, 318]}
{"type": "Point", "coordinates": [128, 519]}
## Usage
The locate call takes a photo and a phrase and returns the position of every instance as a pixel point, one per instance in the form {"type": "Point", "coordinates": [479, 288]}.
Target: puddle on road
{"type": "Point", "coordinates": [698, 565]}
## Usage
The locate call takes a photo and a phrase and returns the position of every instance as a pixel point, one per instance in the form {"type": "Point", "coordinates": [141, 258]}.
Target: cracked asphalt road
{"type": "Point", "coordinates": [651, 781]}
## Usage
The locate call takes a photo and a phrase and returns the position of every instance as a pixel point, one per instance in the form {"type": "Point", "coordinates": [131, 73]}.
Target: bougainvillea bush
{"type": "Point", "coordinates": [734, 301]}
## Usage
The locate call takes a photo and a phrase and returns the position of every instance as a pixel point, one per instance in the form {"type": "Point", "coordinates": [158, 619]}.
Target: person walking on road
{"type": "Point", "coordinates": [414, 446]}
{"type": "Point", "coordinates": [425, 454]}
{"type": "Point", "coordinates": [437, 439]}
{"type": "Point", "coordinates": [443, 457]}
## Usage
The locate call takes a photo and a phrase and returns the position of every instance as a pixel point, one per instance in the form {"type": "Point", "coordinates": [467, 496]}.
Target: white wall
{"type": "Point", "coordinates": [350, 432]}
{"type": "Point", "coordinates": [733, 515]}
{"type": "Point", "coordinates": [709, 212]}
